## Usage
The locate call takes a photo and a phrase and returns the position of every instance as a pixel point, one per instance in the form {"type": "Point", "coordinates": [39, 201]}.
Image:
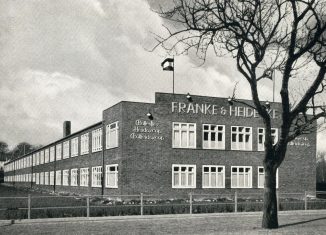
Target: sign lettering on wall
{"type": "Point", "coordinates": [300, 141]}
{"type": "Point", "coordinates": [212, 109]}
{"type": "Point", "coordinates": [146, 130]}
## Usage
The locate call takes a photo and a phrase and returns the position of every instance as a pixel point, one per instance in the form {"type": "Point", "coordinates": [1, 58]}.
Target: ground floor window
{"type": "Point", "coordinates": [261, 177]}
{"type": "Point", "coordinates": [213, 176]}
{"type": "Point", "coordinates": [74, 177]}
{"type": "Point", "coordinates": [51, 177]}
{"type": "Point", "coordinates": [65, 177]}
{"type": "Point", "coordinates": [111, 176]}
{"type": "Point", "coordinates": [58, 177]}
{"type": "Point", "coordinates": [96, 176]}
{"type": "Point", "coordinates": [183, 176]}
{"type": "Point", "coordinates": [84, 177]}
{"type": "Point", "coordinates": [241, 176]}
{"type": "Point", "coordinates": [46, 178]}
{"type": "Point", "coordinates": [42, 178]}
{"type": "Point", "coordinates": [37, 178]}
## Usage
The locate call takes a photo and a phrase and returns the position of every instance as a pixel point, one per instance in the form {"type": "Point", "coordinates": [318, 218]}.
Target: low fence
{"type": "Point", "coordinates": [31, 207]}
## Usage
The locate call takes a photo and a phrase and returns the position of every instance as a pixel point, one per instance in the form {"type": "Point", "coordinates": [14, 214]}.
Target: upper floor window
{"type": "Point", "coordinates": [66, 149]}
{"type": "Point", "coordinates": [37, 158]}
{"type": "Point", "coordinates": [46, 156]}
{"type": "Point", "coordinates": [241, 138]}
{"type": "Point", "coordinates": [261, 137]}
{"type": "Point", "coordinates": [84, 144]}
{"type": "Point", "coordinates": [74, 147]}
{"type": "Point", "coordinates": [97, 140]}
{"type": "Point", "coordinates": [213, 136]}
{"type": "Point", "coordinates": [42, 157]}
{"type": "Point", "coordinates": [58, 152]}
{"type": "Point", "coordinates": [183, 176]}
{"type": "Point", "coordinates": [184, 135]}
{"type": "Point", "coordinates": [213, 176]}
{"type": "Point", "coordinates": [112, 135]}
{"type": "Point", "coordinates": [52, 154]}
{"type": "Point", "coordinates": [241, 176]}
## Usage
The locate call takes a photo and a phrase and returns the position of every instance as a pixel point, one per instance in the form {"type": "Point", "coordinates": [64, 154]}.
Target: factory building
{"type": "Point", "coordinates": [177, 145]}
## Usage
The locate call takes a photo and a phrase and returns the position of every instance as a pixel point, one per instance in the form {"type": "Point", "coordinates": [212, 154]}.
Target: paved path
{"type": "Point", "coordinates": [294, 222]}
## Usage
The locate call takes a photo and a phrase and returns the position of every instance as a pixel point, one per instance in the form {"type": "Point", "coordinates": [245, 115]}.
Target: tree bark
{"type": "Point", "coordinates": [270, 219]}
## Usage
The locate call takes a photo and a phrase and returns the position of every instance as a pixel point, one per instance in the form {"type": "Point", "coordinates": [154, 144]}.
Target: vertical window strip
{"type": "Point", "coordinates": [96, 176]}
{"type": "Point", "coordinates": [84, 144]}
{"type": "Point", "coordinates": [97, 140]}
{"type": "Point", "coordinates": [112, 134]}
{"type": "Point", "coordinates": [84, 177]}
{"type": "Point", "coordinates": [58, 177]}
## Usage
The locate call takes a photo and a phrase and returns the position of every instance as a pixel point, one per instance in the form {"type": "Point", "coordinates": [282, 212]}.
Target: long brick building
{"type": "Point", "coordinates": [177, 145]}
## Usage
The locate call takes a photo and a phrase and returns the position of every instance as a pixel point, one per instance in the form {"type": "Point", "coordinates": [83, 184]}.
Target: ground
{"type": "Point", "coordinates": [294, 222]}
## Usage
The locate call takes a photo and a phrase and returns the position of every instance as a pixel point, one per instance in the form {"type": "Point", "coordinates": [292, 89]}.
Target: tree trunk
{"type": "Point", "coordinates": [270, 219]}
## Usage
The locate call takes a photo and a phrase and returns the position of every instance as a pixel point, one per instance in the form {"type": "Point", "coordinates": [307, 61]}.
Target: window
{"type": "Point", "coordinates": [58, 152]}
{"type": "Point", "coordinates": [213, 136]}
{"type": "Point", "coordinates": [34, 159]}
{"type": "Point", "coordinates": [34, 177]}
{"type": "Point", "coordinates": [184, 135]}
{"type": "Point", "coordinates": [213, 176]}
{"type": "Point", "coordinates": [46, 156]}
{"type": "Point", "coordinates": [66, 149]}
{"type": "Point", "coordinates": [74, 147]}
{"type": "Point", "coordinates": [84, 177]}
{"type": "Point", "coordinates": [261, 137]}
{"type": "Point", "coordinates": [96, 176]}
{"type": "Point", "coordinates": [37, 158]}
{"type": "Point", "coordinates": [42, 178]}
{"type": "Point", "coordinates": [74, 177]}
{"type": "Point", "coordinates": [112, 135]}
{"type": "Point", "coordinates": [84, 145]}
{"type": "Point", "coordinates": [58, 177]}
{"type": "Point", "coordinates": [261, 177]}
{"type": "Point", "coordinates": [241, 138]}
{"type": "Point", "coordinates": [241, 177]}
{"type": "Point", "coordinates": [42, 157]}
{"type": "Point", "coordinates": [51, 177]}
{"type": "Point", "coordinates": [46, 178]}
{"type": "Point", "coordinates": [183, 176]}
{"type": "Point", "coordinates": [111, 176]}
{"type": "Point", "coordinates": [65, 177]}
{"type": "Point", "coordinates": [52, 154]}
{"type": "Point", "coordinates": [37, 178]}
{"type": "Point", "coordinates": [97, 140]}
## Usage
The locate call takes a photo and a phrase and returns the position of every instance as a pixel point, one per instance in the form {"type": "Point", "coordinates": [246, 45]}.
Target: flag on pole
{"type": "Point", "coordinates": [168, 64]}
{"type": "Point", "coordinates": [269, 74]}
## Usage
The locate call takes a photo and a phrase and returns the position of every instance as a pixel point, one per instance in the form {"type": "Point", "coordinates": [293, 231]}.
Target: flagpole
{"type": "Point", "coordinates": [273, 77]}
{"type": "Point", "coordinates": [173, 76]}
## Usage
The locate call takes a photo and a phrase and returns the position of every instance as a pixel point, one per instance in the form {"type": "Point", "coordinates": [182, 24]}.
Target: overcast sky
{"type": "Point", "coordinates": [70, 60]}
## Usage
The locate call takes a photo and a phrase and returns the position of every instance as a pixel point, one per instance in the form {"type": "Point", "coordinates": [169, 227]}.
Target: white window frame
{"type": "Point", "coordinates": [46, 156]}
{"type": "Point", "coordinates": [58, 177]}
{"type": "Point", "coordinates": [74, 147]}
{"type": "Point", "coordinates": [84, 144]}
{"type": "Point", "coordinates": [177, 130]}
{"type": "Point", "coordinates": [34, 159]}
{"type": "Point", "coordinates": [96, 176]}
{"type": "Point", "coordinates": [261, 184]}
{"type": "Point", "coordinates": [42, 178]}
{"type": "Point", "coordinates": [249, 177]}
{"type": "Point", "coordinates": [74, 177]}
{"type": "Point", "coordinates": [179, 175]}
{"type": "Point", "coordinates": [210, 132]}
{"type": "Point", "coordinates": [237, 145]}
{"type": "Point", "coordinates": [58, 153]}
{"type": "Point", "coordinates": [66, 150]}
{"type": "Point", "coordinates": [261, 133]}
{"type": "Point", "coordinates": [112, 135]}
{"type": "Point", "coordinates": [65, 177]}
{"type": "Point", "coordinates": [37, 158]}
{"type": "Point", "coordinates": [42, 157]}
{"type": "Point", "coordinates": [84, 177]}
{"type": "Point", "coordinates": [46, 178]}
{"type": "Point", "coordinates": [114, 174]}
{"type": "Point", "coordinates": [97, 140]}
{"type": "Point", "coordinates": [37, 181]}
{"type": "Point", "coordinates": [211, 174]}
{"type": "Point", "coordinates": [51, 178]}
{"type": "Point", "coordinates": [52, 153]}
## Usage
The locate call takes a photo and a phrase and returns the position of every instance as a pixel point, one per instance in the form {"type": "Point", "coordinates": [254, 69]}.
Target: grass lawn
{"type": "Point", "coordinates": [290, 223]}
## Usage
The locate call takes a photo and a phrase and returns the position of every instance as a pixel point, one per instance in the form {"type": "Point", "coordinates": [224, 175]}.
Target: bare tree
{"type": "Point", "coordinates": [262, 36]}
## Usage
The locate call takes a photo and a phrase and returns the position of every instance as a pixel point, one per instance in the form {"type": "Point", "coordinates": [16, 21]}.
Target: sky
{"type": "Point", "coordinates": [70, 60]}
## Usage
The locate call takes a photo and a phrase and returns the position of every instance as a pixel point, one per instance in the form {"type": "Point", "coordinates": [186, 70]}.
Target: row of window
{"type": "Point", "coordinates": [69, 148]}
{"type": "Point", "coordinates": [183, 176]}
{"type": "Point", "coordinates": [213, 176]}
{"type": "Point", "coordinates": [184, 136]}
{"type": "Point", "coordinates": [70, 177]}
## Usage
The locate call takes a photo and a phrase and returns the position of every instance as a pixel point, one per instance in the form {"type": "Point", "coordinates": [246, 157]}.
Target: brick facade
{"type": "Point", "coordinates": [145, 155]}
